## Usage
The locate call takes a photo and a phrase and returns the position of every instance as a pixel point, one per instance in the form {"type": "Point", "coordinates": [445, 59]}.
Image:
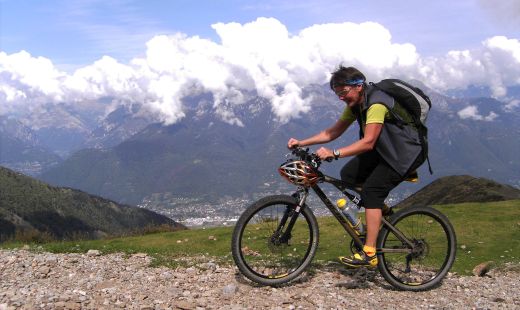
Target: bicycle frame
{"type": "Point", "coordinates": [341, 219]}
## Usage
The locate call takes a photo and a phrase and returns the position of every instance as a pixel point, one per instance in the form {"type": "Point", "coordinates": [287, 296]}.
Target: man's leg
{"type": "Point", "coordinates": [359, 168]}
{"type": "Point", "coordinates": [375, 190]}
{"type": "Point", "coordinates": [373, 217]}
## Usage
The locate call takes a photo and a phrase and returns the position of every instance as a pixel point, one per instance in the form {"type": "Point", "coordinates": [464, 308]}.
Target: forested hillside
{"type": "Point", "coordinates": [27, 204]}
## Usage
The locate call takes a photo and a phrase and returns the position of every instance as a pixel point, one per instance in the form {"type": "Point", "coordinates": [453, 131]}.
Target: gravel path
{"type": "Point", "coordinates": [30, 280]}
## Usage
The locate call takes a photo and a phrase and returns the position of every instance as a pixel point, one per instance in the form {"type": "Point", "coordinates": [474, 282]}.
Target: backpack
{"type": "Point", "coordinates": [415, 102]}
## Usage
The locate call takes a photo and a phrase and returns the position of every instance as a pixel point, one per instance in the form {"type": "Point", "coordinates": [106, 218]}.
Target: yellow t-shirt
{"type": "Point", "coordinates": [376, 114]}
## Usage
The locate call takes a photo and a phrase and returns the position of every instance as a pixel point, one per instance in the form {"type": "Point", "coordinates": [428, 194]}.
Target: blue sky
{"type": "Point", "coordinates": [157, 52]}
{"type": "Point", "coordinates": [71, 32]}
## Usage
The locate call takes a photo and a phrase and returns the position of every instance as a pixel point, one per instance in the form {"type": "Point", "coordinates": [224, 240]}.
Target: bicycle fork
{"type": "Point", "coordinates": [293, 213]}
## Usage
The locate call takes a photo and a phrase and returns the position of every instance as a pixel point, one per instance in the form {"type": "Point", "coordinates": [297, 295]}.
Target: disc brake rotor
{"type": "Point", "coordinates": [276, 245]}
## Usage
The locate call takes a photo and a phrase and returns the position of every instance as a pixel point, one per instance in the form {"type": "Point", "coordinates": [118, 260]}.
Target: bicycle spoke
{"type": "Point", "coordinates": [265, 251]}
{"type": "Point", "coordinates": [429, 255]}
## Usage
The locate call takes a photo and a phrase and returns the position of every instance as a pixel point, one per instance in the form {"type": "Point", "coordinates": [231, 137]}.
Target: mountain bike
{"type": "Point", "coordinates": [276, 238]}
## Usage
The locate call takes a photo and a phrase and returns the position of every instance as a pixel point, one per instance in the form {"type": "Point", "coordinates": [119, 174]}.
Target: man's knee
{"type": "Point", "coordinates": [373, 199]}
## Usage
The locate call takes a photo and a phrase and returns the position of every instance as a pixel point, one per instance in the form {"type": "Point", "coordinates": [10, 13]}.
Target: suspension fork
{"type": "Point", "coordinates": [302, 195]}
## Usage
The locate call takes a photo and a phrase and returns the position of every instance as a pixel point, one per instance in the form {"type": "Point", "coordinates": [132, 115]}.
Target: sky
{"type": "Point", "coordinates": [157, 52]}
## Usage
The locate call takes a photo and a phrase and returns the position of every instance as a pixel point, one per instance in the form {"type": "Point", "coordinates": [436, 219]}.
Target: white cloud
{"type": "Point", "coordinates": [491, 117]}
{"type": "Point", "coordinates": [496, 64]}
{"type": "Point", "coordinates": [471, 112]}
{"type": "Point", "coordinates": [27, 79]}
{"type": "Point", "coordinates": [512, 105]}
{"type": "Point", "coordinates": [259, 57]}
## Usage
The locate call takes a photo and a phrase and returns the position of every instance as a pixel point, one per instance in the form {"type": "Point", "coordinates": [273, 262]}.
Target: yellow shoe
{"type": "Point", "coordinates": [359, 260]}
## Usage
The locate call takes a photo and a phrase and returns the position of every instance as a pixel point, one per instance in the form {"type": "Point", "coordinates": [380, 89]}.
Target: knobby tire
{"type": "Point", "coordinates": [421, 270]}
{"type": "Point", "coordinates": [259, 258]}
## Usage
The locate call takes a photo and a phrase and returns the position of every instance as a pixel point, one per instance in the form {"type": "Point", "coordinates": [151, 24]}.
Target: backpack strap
{"type": "Point", "coordinates": [424, 146]}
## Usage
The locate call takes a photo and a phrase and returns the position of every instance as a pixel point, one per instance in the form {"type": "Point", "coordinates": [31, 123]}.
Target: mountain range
{"type": "Point", "coordinates": [127, 157]}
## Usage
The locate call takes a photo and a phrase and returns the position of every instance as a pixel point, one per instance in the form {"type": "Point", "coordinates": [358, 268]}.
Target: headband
{"type": "Point", "coordinates": [354, 82]}
{"type": "Point", "coordinates": [350, 82]}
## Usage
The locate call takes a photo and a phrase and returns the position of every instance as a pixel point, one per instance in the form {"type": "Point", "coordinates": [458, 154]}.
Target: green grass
{"type": "Point", "coordinates": [485, 232]}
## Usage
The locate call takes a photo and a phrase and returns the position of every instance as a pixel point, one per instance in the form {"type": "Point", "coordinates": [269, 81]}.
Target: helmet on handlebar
{"type": "Point", "coordinates": [299, 172]}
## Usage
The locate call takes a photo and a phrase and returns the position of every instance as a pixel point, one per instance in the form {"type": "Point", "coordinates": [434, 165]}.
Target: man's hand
{"type": "Point", "coordinates": [292, 143]}
{"type": "Point", "coordinates": [324, 153]}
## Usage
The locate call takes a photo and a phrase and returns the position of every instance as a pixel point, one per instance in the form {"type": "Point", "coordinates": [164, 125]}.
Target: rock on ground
{"type": "Point", "coordinates": [30, 280]}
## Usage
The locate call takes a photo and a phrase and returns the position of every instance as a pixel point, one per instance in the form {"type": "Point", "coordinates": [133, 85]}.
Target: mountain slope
{"type": "Point", "coordinates": [460, 189]}
{"type": "Point", "coordinates": [118, 126]}
{"type": "Point", "coordinates": [21, 149]}
{"type": "Point", "coordinates": [26, 203]}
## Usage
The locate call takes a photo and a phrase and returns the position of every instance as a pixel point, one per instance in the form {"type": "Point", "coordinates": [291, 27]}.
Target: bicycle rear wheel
{"type": "Point", "coordinates": [424, 264]}
{"type": "Point", "coordinates": [262, 248]}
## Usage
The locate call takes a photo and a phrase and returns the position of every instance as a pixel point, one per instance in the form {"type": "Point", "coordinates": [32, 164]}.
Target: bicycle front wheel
{"type": "Point", "coordinates": [422, 261]}
{"type": "Point", "coordinates": [264, 249]}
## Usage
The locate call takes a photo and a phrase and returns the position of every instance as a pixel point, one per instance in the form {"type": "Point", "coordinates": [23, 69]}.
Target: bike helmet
{"type": "Point", "coordinates": [299, 172]}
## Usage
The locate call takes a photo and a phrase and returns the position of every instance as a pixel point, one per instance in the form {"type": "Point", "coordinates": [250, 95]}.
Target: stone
{"type": "Point", "coordinates": [93, 253]}
{"type": "Point", "coordinates": [140, 255]}
{"type": "Point", "coordinates": [185, 305]}
{"type": "Point", "coordinates": [191, 270]}
{"type": "Point", "coordinates": [230, 289]}
{"type": "Point", "coordinates": [209, 266]}
{"type": "Point", "coordinates": [104, 285]}
{"type": "Point", "coordinates": [72, 305]}
{"type": "Point", "coordinates": [482, 269]}
{"type": "Point", "coordinates": [44, 270]}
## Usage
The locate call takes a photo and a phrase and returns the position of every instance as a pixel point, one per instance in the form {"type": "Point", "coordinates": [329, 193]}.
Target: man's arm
{"type": "Point", "coordinates": [367, 143]}
{"type": "Point", "coordinates": [325, 136]}
{"type": "Point", "coordinates": [375, 119]}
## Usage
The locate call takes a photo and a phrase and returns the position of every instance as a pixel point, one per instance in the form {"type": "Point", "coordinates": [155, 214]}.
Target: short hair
{"type": "Point", "coordinates": [346, 76]}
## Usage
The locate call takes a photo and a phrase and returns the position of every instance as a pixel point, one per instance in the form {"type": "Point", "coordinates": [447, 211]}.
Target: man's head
{"type": "Point", "coordinates": [347, 83]}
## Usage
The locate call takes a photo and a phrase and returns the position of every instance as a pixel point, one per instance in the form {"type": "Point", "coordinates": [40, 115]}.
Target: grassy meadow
{"type": "Point", "coordinates": [485, 232]}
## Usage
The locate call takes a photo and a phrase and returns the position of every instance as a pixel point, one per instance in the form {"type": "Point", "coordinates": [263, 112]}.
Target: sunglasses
{"type": "Point", "coordinates": [344, 91]}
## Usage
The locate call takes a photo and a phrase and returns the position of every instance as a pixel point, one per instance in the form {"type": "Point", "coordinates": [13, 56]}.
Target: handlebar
{"type": "Point", "coordinates": [312, 158]}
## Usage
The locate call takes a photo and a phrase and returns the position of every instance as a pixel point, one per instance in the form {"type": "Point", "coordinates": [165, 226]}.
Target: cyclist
{"type": "Point", "coordinates": [386, 153]}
